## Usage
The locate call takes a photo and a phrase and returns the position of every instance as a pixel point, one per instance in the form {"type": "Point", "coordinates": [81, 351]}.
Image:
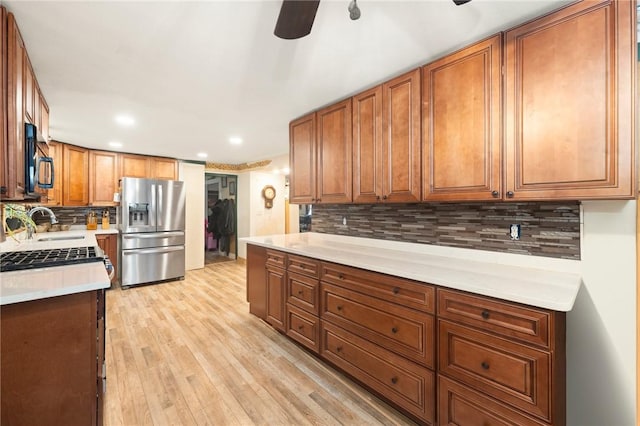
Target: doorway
{"type": "Point", "coordinates": [221, 221]}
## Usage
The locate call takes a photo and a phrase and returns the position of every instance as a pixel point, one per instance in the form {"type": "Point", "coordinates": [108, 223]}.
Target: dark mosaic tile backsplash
{"type": "Point", "coordinates": [547, 229]}
{"type": "Point", "coordinates": [75, 215]}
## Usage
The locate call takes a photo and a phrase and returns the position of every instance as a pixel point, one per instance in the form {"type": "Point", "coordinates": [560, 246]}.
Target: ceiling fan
{"type": "Point", "coordinates": [297, 16]}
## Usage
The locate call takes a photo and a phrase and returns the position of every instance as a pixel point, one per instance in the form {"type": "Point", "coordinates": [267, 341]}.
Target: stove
{"type": "Point", "coordinates": [19, 260]}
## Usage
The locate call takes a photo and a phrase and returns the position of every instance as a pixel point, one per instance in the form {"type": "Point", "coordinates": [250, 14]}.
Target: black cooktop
{"type": "Point", "coordinates": [19, 260]}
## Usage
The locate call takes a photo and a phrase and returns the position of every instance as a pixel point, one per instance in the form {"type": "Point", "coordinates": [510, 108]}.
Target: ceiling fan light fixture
{"type": "Point", "coordinates": [354, 10]}
{"type": "Point", "coordinates": [461, 2]}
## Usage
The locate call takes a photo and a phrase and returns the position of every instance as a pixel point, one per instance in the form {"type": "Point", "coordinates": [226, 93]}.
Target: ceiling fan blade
{"type": "Point", "coordinates": [296, 18]}
{"type": "Point", "coordinates": [460, 2]}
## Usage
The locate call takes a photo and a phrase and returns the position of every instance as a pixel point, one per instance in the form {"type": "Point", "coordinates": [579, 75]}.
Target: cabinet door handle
{"type": "Point", "coordinates": [394, 380]}
{"type": "Point", "coordinates": [509, 194]}
{"type": "Point", "coordinates": [484, 365]}
{"type": "Point", "coordinates": [319, 200]}
{"type": "Point", "coordinates": [396, 290]}
{"type": "Point", "coordinates": [495, 194]}
{"type": "Point", "coordinates": [377, 198]}
{"type": "Point", "coordinates": [485, 314]}
{"type": "Point", "coordinates": [394, 330]}
{"type": "Point", "coordinates": [384, 197]}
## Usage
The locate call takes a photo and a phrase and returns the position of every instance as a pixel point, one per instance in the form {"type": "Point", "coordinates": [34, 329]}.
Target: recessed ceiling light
{"type": "Point", "coordinates": [115, 144]}
{"type": "Point", "coordinates": [125, 120]}
{"type": "Point", "coordinates": [286, 170]}
{"type": "Point", "coordinates": [276, 171]}
{"type": "Point", "coordinates": [234, 140]}
{"type": "Point", "coordinates": [202, 154]}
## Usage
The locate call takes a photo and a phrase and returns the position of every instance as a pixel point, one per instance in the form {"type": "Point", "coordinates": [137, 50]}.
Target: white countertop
{"type": "Point", "coordinates": [537, 281]}
{"type": "Point", "coordinates": [33, 284]}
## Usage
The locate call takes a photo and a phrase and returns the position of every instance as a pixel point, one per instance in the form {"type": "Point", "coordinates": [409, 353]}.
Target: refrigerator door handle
{"type": "Point", "coordinates": [150, 235]}
{"type": "Point", "coordinates": [160, 212]}
{"type": "Point", "coordinates": [154, 206]}
{"type": "Point", "coordinates": [152, 250]}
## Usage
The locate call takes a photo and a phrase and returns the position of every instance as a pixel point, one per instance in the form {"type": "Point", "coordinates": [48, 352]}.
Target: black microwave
{"type": "Point", "coordinates": [39, 169]}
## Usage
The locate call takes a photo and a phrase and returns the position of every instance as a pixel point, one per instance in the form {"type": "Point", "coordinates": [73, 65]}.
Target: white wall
{"type": "Point", "coordinates": [258, 220]}
{"type": "Point", "coordinates": [601, 328]}
{"type": "Point", "coordinates": [193, 177]}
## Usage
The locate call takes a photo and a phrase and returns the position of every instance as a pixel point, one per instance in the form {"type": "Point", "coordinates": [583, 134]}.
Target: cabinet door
{"type": "Point", "coordinates": [44, 119]}
{"type": "Point", "coordinates": [75, 178]}
{"type": "Point", "coordinates": [570, 104]}
{"type": "Point", "coordinates": [276, 282]}
{"type": "Point", "coordinates": [103, 177]}
{"type": "Point", "coordinates": [135, 166]}
{"type": "Point", "coordinates": [3, 104]}
{"type": "Point", "coordinates": [302, 159]}
{"type": "Point", "coordinates": [54, 195]}
{"type": "Point", "coordinates": [401, 140]}
{"type": "Point", "coordinates": [29, 89]}
{"type": "Point", "coordinates": [109, 244]}
{"type": "Point", "coordinates": [334, 135]}
{"type": "Point", "coordinates": [461, 142]}
{"type": "Point", "coordinates": [367, 146]}
{"type": "Point", "coordinates": [15, 111]}
{"type": "Point", "coordinates": [257, 280]}
{"type": "Point", "coordinates": [164, 168]}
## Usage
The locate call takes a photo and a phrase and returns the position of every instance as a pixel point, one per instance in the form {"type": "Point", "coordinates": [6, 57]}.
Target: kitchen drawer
{"type": "Point", "coordinates": [404, 331]}
{"type": "Point", "coordinates": [303, 292]}
{"type": "Point", "coordinates": [405, 383]}
{"type": "Point", "coordinates": [458, 405]}
{"type": "Point", "coordinates": [303, 265]}
{"type": "Point", "coordinates": [303, 327]}
{"type": "Point", "coordinates": [407, 293]}
{"type": "Point", "coordinates": [510, 372]}
{"type": "Point", "coordinates": [511, 320]}
{"type": "Point", "coordinates": [276, 258]}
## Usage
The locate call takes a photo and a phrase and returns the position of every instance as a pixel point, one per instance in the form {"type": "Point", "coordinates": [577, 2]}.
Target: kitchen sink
{"type": "Point", "coordinates": [62, 238]}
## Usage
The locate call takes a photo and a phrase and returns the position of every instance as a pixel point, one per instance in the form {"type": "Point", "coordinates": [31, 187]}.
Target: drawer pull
{"type": "Point", "coordinates": [300, 327]}
{"type": "Point", "coordinates": [301, 266]}
{"type": "Point", "coordinates": [341, 276]}
{"type": "Point", "coordinates": [485, 314]}
{"type": "Point", "coordinates": [394, 380]}
{"type": "Point", "coordinates": [339, 349]}
{"type": "Point", "coordinates": [394, 330]}
{"type": "Point", "coordinates": [396, 290]}
{"type": "Point", "coordinates": [484, 365]}
{"type": "Point", "coordinates": [339, 307]}
{"type": "Point", "coordinates": [300, 292]}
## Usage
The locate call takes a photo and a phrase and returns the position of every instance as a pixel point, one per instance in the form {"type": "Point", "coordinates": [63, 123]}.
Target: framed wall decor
{"type": "Point", "coordinates": [232, 187]}
{"type": "Point", "coordinates": [223, 179]}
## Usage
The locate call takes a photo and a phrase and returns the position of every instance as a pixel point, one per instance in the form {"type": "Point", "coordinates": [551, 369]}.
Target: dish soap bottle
{"type": "Point", "coordinates": [105, 219]}
{"type": "Point", "coordinates": [92, 221]}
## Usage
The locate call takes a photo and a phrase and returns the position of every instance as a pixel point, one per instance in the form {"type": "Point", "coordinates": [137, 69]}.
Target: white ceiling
{"type": "Point", "coordinates": [194, 74]}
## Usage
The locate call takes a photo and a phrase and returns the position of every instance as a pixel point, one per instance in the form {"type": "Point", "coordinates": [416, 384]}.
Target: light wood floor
{"type": "Point", "coordinates": [189, 353]}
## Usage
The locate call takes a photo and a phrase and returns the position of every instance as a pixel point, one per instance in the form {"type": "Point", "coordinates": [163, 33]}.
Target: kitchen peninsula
{"type": "Point", "coordinates": [457, 331]}
{"type": "Point", "coordinates": [52, 335]}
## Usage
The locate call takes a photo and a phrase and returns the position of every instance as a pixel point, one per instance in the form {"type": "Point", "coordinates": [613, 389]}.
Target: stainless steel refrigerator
{"type": "Point", "coordinates": [151, 230]}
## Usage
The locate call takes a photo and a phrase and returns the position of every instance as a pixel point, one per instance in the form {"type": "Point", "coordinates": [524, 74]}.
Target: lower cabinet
{"type": "Point", "coordinates": [109, 244]}
{"type": "Point", "coordinates": [496, 363]}
{"type": "Point", "coordinates": [52, 360]}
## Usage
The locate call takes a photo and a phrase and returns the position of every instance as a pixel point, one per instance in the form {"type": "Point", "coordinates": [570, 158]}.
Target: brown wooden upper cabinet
{"type": "Point", "coordinates": [367, 146]}
{"type": "Point", "coordinates": [461, 137]}
{"type": "Point", "coordinates": [75, 182]}
{"type": "Point", "coordinates": [54, 195]}
{"type": "Point", "coordinates": [104, 173]}
{"type": "Point", "coordinates": [570, 100]}
{"type": "Point", "coordinates": [135, 166]}
{"type": "Point", "coordinates": [164, 168]}
{"type": "Point", "coordinates": [401, 171]}
{"type": "Point", "coordinates": [320, 156]}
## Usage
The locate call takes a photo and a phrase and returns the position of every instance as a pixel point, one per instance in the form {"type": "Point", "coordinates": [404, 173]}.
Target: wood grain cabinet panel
{"type": "Point", "coordinates": [334, 145]}
{"type": "Point", "coordinates": [303, 327]}
{"type": "Point", "coordinates": [570, 103]}
{"type": "Point", "coordinates": [303, 292]}
{"type": "Point", "coordinates": [104, 172]}
{"type": "Point", "coordinates": [132, 165]}
{"type": "Point", "coordinates": [303, 265]}
{"type": "Point", "coordinates": [367, 146]}
{"type": "Point", "coordinates": [29, 90]}
{"type": "Point", "coordinates": [461, 123]}
{"type": "Point", "coordinates": [54, 195]}
{"type": "Point", "coordinates": [75, 176]}
{"type": "Point", "coordinates": [257, 280]}
{"type": "Point", "coordinates": [16, 53]}
{"type": "Point", "coordinates": [164, 168]}
{"type": "Point", "coordinates": [460, 406]}
{"type": "Point", "coordinates": [302, 159]}
{"type": "Point", "coordinates": [407, 384]}
{"type": "Point", "coordinates": [109, 244]}
{"type": "Point", "coordinates": [404, 331]}
{"type": "Point", "coordinates": [3, 104]}
{"type": "Point", "coordinates": [276, 286]}
{"type": "Point", "coordinates": [510, 372]}
{"type": "Point", "coordinates": [401, 138]}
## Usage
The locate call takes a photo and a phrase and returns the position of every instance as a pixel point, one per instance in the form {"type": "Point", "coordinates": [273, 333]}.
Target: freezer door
{"type": "Point", "coordinates": [151, 239]}
{"type": "Point", "coordinates": [138, 205]}
{"type": "Point", "coordinates": [152, 264]}
{"type": "Point", "coordinates": [170, 200]}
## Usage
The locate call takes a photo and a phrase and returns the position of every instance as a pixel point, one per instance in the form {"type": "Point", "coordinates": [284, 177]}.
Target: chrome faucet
{"type": "Point", "coordinates": [42, 209]}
